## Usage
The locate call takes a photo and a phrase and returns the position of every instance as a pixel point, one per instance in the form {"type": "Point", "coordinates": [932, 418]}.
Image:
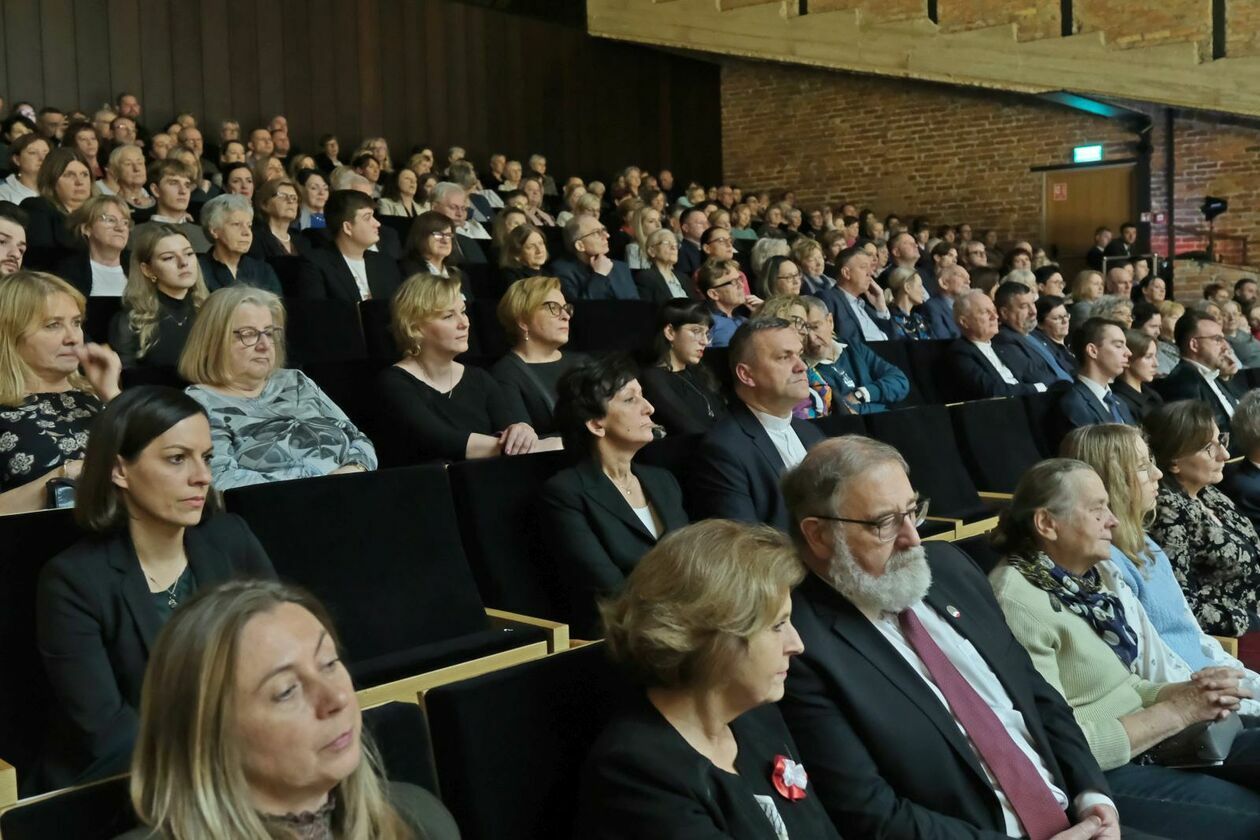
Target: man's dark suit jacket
{"type": "Point", "coordinates": [690, 258]}
{"type": "Point", "coordinates": [1012, 348]}
{"type": "Point", "coordinates": [323, 273]}
{"type": "Point", "coordinates": [643, 780]}
{"type": "Point", "coordinates": [883, 753]}
{"type": "Point", "coordinates": [737, 470]}
{"type": "Point", "coordinates": [96, 626]}
{"type": "Point", "coordinates": [249, 272]}
{"type": "Point", "coordinates": [469, 251]}
{"type": "Point", "coordinates": [652, 286]}
{"type": "Point", "coordinates": [940, 317]}
{"type": "Point", "coordinates": [1186, 383]}
{"type": "Point", "coordinates": [976, 378]}
{"type": "Point", "coordinates": [848, 329]}
{"type": "Point", "coordinates": [1242, 485]}
{"type": "Point", "coordinates": [594, 536]}
{"type": "Point", "coordinates": [76, 269]}
{"type": "Point", "coordinates": [1079, 407]}
{"type": "Point", "coordinates": [1094, 258]}
{"type": "Point", "coordinates": [579, 282]}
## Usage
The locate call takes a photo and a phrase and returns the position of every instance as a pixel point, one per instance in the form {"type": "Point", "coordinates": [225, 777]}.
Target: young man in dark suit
{"type": "Point", "coordinates": [1100, 347]}
{"type": "Point", "coordinates": [1197, 376]}
{"type": "Point", "coordinates": [347, 269]}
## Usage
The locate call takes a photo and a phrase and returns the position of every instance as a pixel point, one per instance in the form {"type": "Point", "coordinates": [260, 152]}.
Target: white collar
{"type": "Point", "coordinates": [772, 423]}
{"type": "Point", "coordinates": [1099, 391]}
{"type": "Point", "coordinates": [1206, 372]}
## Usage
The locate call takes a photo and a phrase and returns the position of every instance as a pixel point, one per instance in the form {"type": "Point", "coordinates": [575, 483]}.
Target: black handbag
{"type": "Point", "coordinates": [1203, 744]}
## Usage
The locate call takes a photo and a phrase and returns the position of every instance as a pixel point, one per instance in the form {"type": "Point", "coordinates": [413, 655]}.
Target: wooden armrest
{"type": "Point", "coordinates": [948, 535]}
{"type": "Point", "coordinates": [995, 496]}
{"type": "Point", "coordinates": [980, 526]}
{"type": "Point", "coordinates": [409, 689]}
{"type": "Point", "coordinates": [8, 785]}
{"type": "Point", "coordinates": [557, 633]}
{"type": "Point", "coordinates": [1229, 643]}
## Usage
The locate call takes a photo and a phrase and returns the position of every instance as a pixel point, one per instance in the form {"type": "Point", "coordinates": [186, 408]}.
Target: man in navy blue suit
{"type": "Point", "coordinates": [980, 368]}
{"type": "Point", "coordinates": [591, 274]}
{"type": "Point", "coordinates": [1018, 314]}
{"type": "Point", "coordinates": [1100, 347]}
{"type": "Point", "coordinates": [857, 302]}
{"type": "Point", "coordinates": [939, 309]}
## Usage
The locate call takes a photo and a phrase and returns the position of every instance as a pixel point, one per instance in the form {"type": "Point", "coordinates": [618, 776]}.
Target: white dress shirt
{"type": "Point", "coordinates": [1212, 377]}
{"type": "Point", "coordinates": [991, 356]}
{"type": "Point", "coordinates": [472, 229]}
{"type": "Point", "coordinates": [976, 671]}
{"type": "Point", "coordinates": [1099, 391]}
{"type": "Point", "coordinates": [107, 280]}
{"type": "Point", "coordinates": [359, 269]}
{"type": "Point", "coordinates": [870, 330]}
{"type": "Point", "coordinates": [783, 436]}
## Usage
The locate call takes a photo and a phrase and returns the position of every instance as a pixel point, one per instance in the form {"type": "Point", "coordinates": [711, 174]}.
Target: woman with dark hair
{"type": "Point", "coordinates": [401, 196]}
{"type": "Point", "coordinates": [779, 276]}
{"type": "Point", "coordinates": [1050, 280]}
{"type": "Point", "coordinates": [238, 179]}
{"type": "Point", "coordinates": [315, 194]}
{"type": "Point", "coordinates": [25, 157]}
{"type": "Point", "coordinates": [1133, 385]}
{"type": "Point", "coordinates": [686, 395]}
{"type": "Point", "coordinates": [141, 496]}
{"type": "Point", "coordinates": [601, 515]}
{"type": "Point", "coordinates": [524, 254]}
{"type": "Point", "coordinates": [428, 249]}
{"type": "Point", "coordinates": [64, 183]}
{"type": "Point", "coordinates": [82, 136]}
{"type": "Point", "coordinates": [1053, 324]}
{"type": "Point", "coordinates": [275, 221]}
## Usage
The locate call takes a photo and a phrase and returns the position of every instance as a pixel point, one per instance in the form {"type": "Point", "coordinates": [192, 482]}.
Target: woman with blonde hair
{"type": "Point", "coordinates": [703, 625]}
{"type": "Point", "coordinates": [433, 407]}
{"type": "Point", "coordinates": [51, 386]}
{"type": "Point", "coordinates": [1169, 354]}
{"type": "Point", "coordinates": [268, 422]}
{"type": "Point", "coordinates": [1087, 286]}
{"type": "Point", "coordinates": [164, 291]}
{"type": "Point", "coordinates": [645, 220]}
{"type": "Point", "coordinates": [250, 729]}
{"type": "Point", "coordinates": [99, 268]}
{"type": "Point", "coordinates": [906, 287]}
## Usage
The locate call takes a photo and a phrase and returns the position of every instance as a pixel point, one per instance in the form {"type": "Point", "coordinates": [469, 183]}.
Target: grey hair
{"type": "Point", "coordinates": [1106, 306]}
{"type": "Point", "coordinates": [1022, 275]}
{"type": "Point", "coordinates": [534, 158]}
{"type": "Point", "coordinates": [442, 190]}
{"type": "Point", "coordinates": [965, 303]}
{"type": "Point", "coordinates": [1044, 486]}
{"type": "Point", "coordinates": [817, 484]}
{"type": "Point", "coordinates": [216, 210]}
{"type": "Point", "coordinates": [764, 249]}
{"type": "Point", "coordinates": [1245, 424]}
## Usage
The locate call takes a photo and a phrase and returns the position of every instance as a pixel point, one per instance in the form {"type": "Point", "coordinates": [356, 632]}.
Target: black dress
{"type": "Point", "coordinates": [420, 423]}
{"type": "Point", "coordinates": [685, 403]}
{"type": "Point", "coordinates": [535, 385]}
{"type": "Point", "coordinates": [1140, 403]}
{"type": "Point", "coordinates": [175, 320]}
{"type": "Point", "coordinates": [43, 432]}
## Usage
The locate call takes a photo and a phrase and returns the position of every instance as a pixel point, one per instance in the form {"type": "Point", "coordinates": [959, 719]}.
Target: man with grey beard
{"type": "Point", "coordinates": [916, 712]}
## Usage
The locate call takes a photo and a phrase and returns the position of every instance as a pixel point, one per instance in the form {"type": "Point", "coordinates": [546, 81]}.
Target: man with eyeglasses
{"type": "Point", "coordinates": [916, 712]}
{"type": "Point", "coordinates": [719, 283]}
{"type": "Point", "coordinates": [451, 200]}
{"type": "Point", "coordinates": [1204, 350]}
{"type": "Point", "coordinates": [171, 184]}
{"type": "Point", "coordinates": [860, 380]}
{"type": "Point", "coordinates": [589, 273]}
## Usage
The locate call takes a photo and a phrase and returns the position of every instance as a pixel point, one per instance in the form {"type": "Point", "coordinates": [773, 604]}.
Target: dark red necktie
{"type": "Point", "coordinates": [1038, 811]}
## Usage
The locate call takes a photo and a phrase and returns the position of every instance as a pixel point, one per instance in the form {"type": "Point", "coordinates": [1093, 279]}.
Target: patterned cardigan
{"type": "Point", "coordinates": [1217, 565]}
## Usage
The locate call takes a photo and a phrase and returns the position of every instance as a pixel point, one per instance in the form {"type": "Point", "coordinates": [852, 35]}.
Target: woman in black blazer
{"type": "Point", "coordinates": [686, 396]}
{"type": "Point", "coordinates": [704, 623]}
{"type": "Point", "coordinates": [99, 605]}
{"type": "Point", "coordinates": [661, 283]}
{"type": "Point", "coordinates": [601, 515]}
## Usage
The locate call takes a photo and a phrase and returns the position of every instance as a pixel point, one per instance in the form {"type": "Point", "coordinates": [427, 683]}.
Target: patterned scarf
{"type": "Point", "coordinates": [818, 403]}
{"type": "Point", "coordinates": [1085, 596]}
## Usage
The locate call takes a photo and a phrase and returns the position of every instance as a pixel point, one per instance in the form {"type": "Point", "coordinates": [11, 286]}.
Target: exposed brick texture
{"type": "Point", "coordinates": [1157, 23]}
{"type": "Point", "coordinates": [1036, 18]}
{"type": "Point", "coordinates": [1242, 28]}
{"type": "Point", "coordinates": [877, 10]}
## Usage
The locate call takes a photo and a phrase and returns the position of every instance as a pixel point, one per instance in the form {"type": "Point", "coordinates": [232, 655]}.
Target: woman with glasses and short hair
{"type": "Point", "coordinates": [100, 268]}
{"type": "Point", "coordinates": [685, 393]}
{"type": "Point", "coordinates": [275, 221]}
{"type": "Point", "coordinates": [1053, 324]}
{"type": "Point", "coordinates": [269, 422]}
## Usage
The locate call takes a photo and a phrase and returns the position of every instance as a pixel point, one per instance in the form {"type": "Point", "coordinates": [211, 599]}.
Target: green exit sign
{"type": "Point", "coordinates": [1087, 154]}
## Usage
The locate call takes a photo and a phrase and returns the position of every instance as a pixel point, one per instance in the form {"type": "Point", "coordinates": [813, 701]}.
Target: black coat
{"type": "Point", "coordinates": [977, 379]}
{"type": "Point", "coordinates": [643, 780]}
{"type": "Point", "coordinates": [884, 755]}
{"type": "Point", "coordinates": [97, 623]}
{"type": "Point", "coordinates": [593, 534]}
{"type": "Point", "coordinates": [1139, 404]}
{"type": "Point", "coordinates": [323, 273]}
{"type": "Point", "coordinates": [1186, 383]}
{"type": "Point", "coordinates": [1014, 350]}
{"type": "Point", "coordinates": [76, 269]}
{"type": "Point", "coordinates": [1242, 485]}
{"type": "Point", "coordinates": [652, 286]}
{"type": "Point", "coordinates": [737, 470]}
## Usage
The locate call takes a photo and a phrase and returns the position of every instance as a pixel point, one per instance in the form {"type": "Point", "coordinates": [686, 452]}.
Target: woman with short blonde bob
{"type": "Point", "coordinates": [1087, 286]}
{"type": "Point", "coordinates": [268, 422]}
{"type": "Point", "coordinates": [433, 406]}
{"type": "Point", "coordinates": [99, 267]}
{"type": "Point", "coordinates": [250, 729]}
{"type": "Point", "coordinates": [644, 221]}
{"type": "Point", "coordinates": [164, 291]}
{"type": "Point", "coordinates": [703, 625]}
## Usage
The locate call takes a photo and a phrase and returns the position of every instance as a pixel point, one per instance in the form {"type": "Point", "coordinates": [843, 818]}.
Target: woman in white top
{"type": "Point", "coordinates": [104, 223]}
{"type": "Point", "coordinates": [400, 196]}
{"type": "Point", "coordinates": [644, 222]}
{"type": "Point", "coordinates": [26, 156]}
{"type": "Point", "coordinates": [125, 177]}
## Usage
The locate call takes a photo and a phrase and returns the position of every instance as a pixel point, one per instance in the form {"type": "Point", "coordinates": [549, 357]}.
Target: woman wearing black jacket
{"type": "Point", "coordinates": [685, 394]}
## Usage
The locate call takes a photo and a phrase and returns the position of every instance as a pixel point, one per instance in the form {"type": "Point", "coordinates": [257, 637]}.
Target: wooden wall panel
{"type": "Point", "coordinates": [432, 72]}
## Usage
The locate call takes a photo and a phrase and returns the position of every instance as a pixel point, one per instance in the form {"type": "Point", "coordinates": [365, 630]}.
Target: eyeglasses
{"type": "Point", "coordinates": [795, 275]}
{"type": "Point", "coordinates": [114, 221]}
{"type": "Point", "coordinates": [249, 336]}
{"type": "Point", "coordinates": [290, 197]}
{"type": "Point", "coordinates": [1222, 441]}
{"type": "Point", "coordinates": [720, 285]}
{"type": "Point", "coordinates": [698, 333]}
{"type": "Point", "coordinates": [442, 235]}
{"type": "Point", "coordinates": [554, 309]}
{"type": "Point", "coordinates": [715, 240]}
{"type": "Point", "coordinates": [1218, 338]}
{"type": "Point", "coordinates": [887, 527]}
{"type": "Point", "coordinates": [600, 231]}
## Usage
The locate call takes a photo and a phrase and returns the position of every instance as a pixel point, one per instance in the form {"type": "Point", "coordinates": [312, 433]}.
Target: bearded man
{"type": "Point", "coordinates": [916, 711]}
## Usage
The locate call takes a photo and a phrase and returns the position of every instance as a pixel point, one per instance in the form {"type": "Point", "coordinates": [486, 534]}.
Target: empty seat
{"type": "Point", "coordinates": [930, 372]}
{"type": "Point", "coordinates": [602, 326]}
{"type": "Point", "coordinates": [402, 738]}
{"type": "Point", "coordinates": [98, 811]}
{"type": "Point", "coordinates": [509, 745]}
{"type": "Point", "coordinates": [491, 340]}
{"type": "Point", "coordinates": [382, 551]}
{"type": "Point", "coordinates": [288, 271]}
{"type": "Point", "coordinates": [133, 377]}
{"type": "Point", "coordinates": [897, 354]}
{"type": "Point", "coordinates": [995, 441]}
{"type": "Point", "coordinates": [496, 502]}
{"type": "Point", "coordinates": [352, 386]}
{"type": "Point", "coordinates": [841, 423]}
{"type": "Point", "coordinates": [323, 330]}
{"type": "Point", "coordinates": [1040, 409]}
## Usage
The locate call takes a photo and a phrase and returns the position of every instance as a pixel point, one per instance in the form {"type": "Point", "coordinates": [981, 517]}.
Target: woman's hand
{"type": "Point", "coordinates": [68, 469]}
{"type": "Point", "coordinates": [349, 468]}
{"type": "Point", "coordinates": [102, 367]}
{"type": "Point", "coordinates": [1210, 695]}
{"type": "Point", "coordinates": [518, 439]}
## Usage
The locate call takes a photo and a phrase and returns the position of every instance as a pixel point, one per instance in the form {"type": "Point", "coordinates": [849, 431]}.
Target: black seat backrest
{"type": "Point", "coordinates": [602, 326]}
{"type": "Point", "coordinates": [99, 811]}
{"type": "Point", "coordinates": [380, 549]}
{"type": "Point", "coordinates": [841, 423]}
{"type": "Point", "coordinates": [496, 501]}
{"type": "Point", "coordinates": [402, 738]}
{"type": "Point", "coordinates": [100, 311]}
{"type": "Point", "coordinates": [320, 330]}
{"type": "Point", "coordinates": [352, 386]}
{"type": "Point", "coordinates": [377, 336]}
{"type": "Point", "coordinates": [29, 541]}
{"type": "Point", "coordinates": [924, 437]}
{"type": "Point", "coordinates": [491, 340]}
{"type": "Point", "coordinates": [980, 549]}
{"type": "Point", "coordinates": [288, 271]}
{"type": "Point", "coordinates": [897, 354]}
{"type": "Point", "coordinates": [718, 361]}
{"type": "Point", "coordinates": [509, 744]}
{"type": "Point", "coordinates": [995, 442]}
{"type": "Point", "coordinates": [133, 377]}
{"type": "Point", "coordinates": [930, 370]}
{"type": "Point", "coordinates": [1042, 422]}
{"type": "Point", "coordinates": [673, 453]}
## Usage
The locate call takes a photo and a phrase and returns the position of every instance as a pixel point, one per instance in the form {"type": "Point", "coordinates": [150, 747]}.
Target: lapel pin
{"type": "Point", "coordinates": [953, 611]}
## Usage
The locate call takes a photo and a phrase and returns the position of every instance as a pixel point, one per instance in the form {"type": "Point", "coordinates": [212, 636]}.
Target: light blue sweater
{"type": "Point", "coordinates": [1161, 596]}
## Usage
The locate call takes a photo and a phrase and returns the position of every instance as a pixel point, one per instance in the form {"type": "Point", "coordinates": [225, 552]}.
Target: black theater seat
{"type": "Point", "coordinates": [98, 811]}
{"type": "Point", "coordinates": [323, 330]}
{"type": "Point", "coordinates": [100, 312]}
{"type": "Point", "coordinates": [603, 326]}
{"type": "Point", "coordinates": [995, 441]}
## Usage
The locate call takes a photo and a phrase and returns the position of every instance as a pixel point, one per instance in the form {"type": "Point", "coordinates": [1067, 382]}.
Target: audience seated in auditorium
{"type": "Point", "coordinates": [1053, 535]}
{"type": "Point", "coordinates": [535, 316]}
{"type": "Point", "coordinates": [430, 244]}
{"type": "Point", "coordinates": [598, 517]}
{"type": "Point", "coordinates": [906, 287]}
{"type": "Point", "coordinates": [171, 184]}
{"type": "Point", "coordinates": [1133, 386]}
{"type": "Point", "coordinates": [589, 273]}
{"type": "Point", "coordinates": [683, 391]}
{"type": "Point", "coordinates": [98, 266]}
{"type": "Point", "coordinates": [1242, 478]}
{"type": "Point", "coordinates": [64, 184]}
{"type": "Point", "coordinates": [523, 254]}
{"type": "Point", "coordinates": [253, 667]}
{"type": "Point", "coordinates": [1201, 342]}
{"type": "Point", "coordinates": [739, 462]}
{"type": "Point", "coordinates": [228, 221]}
{"type": "Point", "coordinates": [704, 626]}
{"type": "Point", "coordinates": [1018, 315]}
{"type": "Point", "coordinates": [980, 368]}
{"type": "Point", "coordinates": [269, 423]}
{"type": "Point", "coordinates": [347, 269]}
{"type": "Point", "coordinates": [12, 238]}
{"type": "Point", "coordinates": [890, 672]}
{"type": "Point", "coordinates": [1139, 568]}
{"type": "Point", "coordinates": [433, 407]}
{"type": "Point", "coordinates": [25, 158]}
{"type": "Point", "coordinates": [1213, 548]}
{"type": "Point", "coordinates": [1103, 353]}
{"type": "Point", "coordinates": [141, 497]}
{"type": "Point", "coordinates": [275, 221]}
{"type": "Point", "coordinates": [51, 386]}
{"type": "Point", "coordinates": [164, 291]}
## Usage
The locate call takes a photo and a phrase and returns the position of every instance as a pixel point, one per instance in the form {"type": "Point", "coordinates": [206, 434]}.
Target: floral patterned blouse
{"type": "Point", "coordinates": [43, 432]}
{"type": "Point", "coordinates": [1216, 561]}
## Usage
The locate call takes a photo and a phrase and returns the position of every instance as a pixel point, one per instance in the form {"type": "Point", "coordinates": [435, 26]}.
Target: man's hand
{"type": "Point", "coordinates": [1110, 827]}
{"type": "Point", "coordinates": [753, 303]}
{"type": "Point", "coordinates": [1086, 829]}
{"type": "Point", "coordinates": [875, 295]}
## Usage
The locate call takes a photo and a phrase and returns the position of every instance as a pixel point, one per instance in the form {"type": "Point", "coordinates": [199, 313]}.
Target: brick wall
{"type": "Point", "coordinates": [1036, 18]}
{"type": "Point", "coordinates": [1163, 22]}
{"type": "Point", "coordinates": [1242, 29]}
